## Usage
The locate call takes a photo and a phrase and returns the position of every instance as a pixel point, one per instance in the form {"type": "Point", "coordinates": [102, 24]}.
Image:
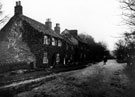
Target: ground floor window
{"type": "Point", "coordinates": [64, 61]}
{"type": "Point", "coordinates": [45, 58]}
{"type": "Point", "coordinates": [57, 58]}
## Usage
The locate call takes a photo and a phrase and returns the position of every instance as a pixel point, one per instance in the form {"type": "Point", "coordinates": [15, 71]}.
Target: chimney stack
{"type": "Point", "coordinates": [57, 28]}
{"type": "Point", "coordinates": [73, 32]}
{"type": "Point", "coordinates": [48, 24]}
{"type": "Point", "coordinates": [18, 8]}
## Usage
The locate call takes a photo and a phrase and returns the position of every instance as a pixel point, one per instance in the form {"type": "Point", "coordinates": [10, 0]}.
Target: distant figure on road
{"type": "Point", "coordinates": [105, 60]}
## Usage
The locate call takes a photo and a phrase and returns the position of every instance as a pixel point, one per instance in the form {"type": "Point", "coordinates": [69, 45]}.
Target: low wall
{"type": "Point", "coordinates": [5, 67]}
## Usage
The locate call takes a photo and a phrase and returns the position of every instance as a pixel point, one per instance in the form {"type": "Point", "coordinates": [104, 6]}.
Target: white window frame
{"type": "Point", "coordinates": [45, 58]}
{"type": "Point", "coordinates": [45, 39]}
{"type": "Point", "coordinates": [53, 41]}
{"type": "Point", "coordinates": [57, 58]}
{"type": "Point", "coordinates": [59, 43]}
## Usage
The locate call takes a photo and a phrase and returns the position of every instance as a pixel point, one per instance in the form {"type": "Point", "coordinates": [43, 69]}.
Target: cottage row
{"type": "Point", "coordinates": [37, 44]}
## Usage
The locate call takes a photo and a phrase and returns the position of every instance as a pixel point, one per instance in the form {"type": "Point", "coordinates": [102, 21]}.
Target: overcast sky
{"type": "Point", "coordinates": [98, 18]}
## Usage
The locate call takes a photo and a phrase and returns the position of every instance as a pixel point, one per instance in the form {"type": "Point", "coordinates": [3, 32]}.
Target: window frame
{"type": "Point", "coordinates": [59, 43]}
{"type": "Point", "coordinates": [57, 58]}
{"type": "Point", "coordinates": [45, 58]}
{"type": "Point", "coordinates": [45, 39]}
{"type": "Point", "coordinates": [53, 42]}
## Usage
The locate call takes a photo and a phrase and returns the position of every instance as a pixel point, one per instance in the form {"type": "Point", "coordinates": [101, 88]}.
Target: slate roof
{"type": "Point", "coordinates": [6, 29]}
{"type": "Point", "coordinates": [72, 37]}
{"type": "Point", "coordinates": [67, 40]}
{"type": "Point", "coordinates": [77, 37]}
{"type": "Point", "coordinates": [39, 26]}
{"type": "Point", "coordinates": [35, 24]}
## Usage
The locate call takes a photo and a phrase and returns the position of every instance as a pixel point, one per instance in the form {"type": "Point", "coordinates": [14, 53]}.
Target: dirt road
{"type": "Point", "coordinates": [97, 80]}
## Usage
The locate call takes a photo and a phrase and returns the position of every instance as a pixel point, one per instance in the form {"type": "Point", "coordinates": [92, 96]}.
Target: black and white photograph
{"type": "Point", "coordinates": [67, 48]}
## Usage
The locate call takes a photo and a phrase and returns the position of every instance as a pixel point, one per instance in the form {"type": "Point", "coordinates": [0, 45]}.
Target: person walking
{"type": "Point", "coordinates": [105, 59]}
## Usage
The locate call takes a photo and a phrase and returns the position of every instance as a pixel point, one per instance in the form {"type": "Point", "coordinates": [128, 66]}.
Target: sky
{"type": "Point", "coordinates": [99, 18]}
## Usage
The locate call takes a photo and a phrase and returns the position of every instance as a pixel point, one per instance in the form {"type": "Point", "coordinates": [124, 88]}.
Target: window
{"type": "Point", "coordinates": [59, 43]}
{"type": "Point", "coordinates": [65, 59]}
{"type": "Point", "coordinates": [57, 58]}
{"type": "Point", "coordinates": [45, 58]}
{"type": "Point", "coordinates": [46, 40]}
{"type": "Point", "coordinates": [53, 41]}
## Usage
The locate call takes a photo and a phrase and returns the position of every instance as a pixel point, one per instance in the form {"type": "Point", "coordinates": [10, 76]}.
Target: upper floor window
{"type": "Point", "coordinates": [45, 58]}
{"type": "Point", "coordinates": [46, 40]}
{"type": "Point", "coordinates": [53, 41]}
{"type": "Point", "coordinates": [59, 43]}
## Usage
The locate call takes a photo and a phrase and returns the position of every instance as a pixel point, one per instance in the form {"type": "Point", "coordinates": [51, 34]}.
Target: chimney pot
{"type": "Point", "coordinates": [16, 3]}
{"type": "Point", "coordinates": [18, 8]}
{"type": "Point", "coordinates": [57, 25]}
{"type": "Point", "coordinates": [48, 24]}
{"type": "Point", "coordinates": [74, 32]}
{"type": "Point", "coordinates": [57, 28]}
{"type": "Point", "coordinates": [19, 2]}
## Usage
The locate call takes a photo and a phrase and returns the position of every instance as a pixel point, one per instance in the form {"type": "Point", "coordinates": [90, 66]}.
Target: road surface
{"type": "Point", "coordinates": [97, 80]}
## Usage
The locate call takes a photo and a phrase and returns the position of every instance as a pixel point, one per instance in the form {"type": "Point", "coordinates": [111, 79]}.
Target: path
{"type": "Point", "coordinates": [94, 81]}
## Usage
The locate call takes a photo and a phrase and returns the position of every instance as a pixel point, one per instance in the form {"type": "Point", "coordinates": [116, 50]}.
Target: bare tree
{"type": "Point", "coordinates": [125, 49]}
{"type": "Point", "coordinates": [5, 18]}
{"type": "Point", "coordinates": [128, 7]}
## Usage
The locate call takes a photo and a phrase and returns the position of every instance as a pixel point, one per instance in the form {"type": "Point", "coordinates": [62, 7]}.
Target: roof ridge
{"type": "Point", "coordinates": [40, 26]}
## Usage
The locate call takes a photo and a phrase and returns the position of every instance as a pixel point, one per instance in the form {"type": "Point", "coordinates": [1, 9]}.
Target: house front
{"type": "Point", "coordinates": [26, 40]}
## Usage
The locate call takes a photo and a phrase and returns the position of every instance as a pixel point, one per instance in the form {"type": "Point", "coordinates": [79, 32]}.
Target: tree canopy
{"type": "Point", "coordinates": [125, 47]}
